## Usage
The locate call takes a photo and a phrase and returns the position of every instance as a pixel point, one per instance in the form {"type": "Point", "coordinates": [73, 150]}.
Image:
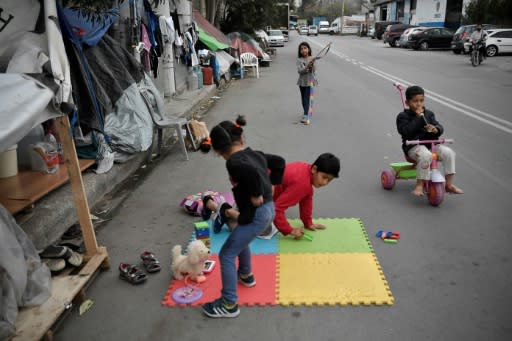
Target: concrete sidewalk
{"type": "Point", "coordinates": [55, 213]}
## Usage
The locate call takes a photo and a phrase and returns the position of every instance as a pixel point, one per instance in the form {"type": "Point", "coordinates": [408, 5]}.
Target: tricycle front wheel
{"type": "Point", "coordinates": [387, 179]}
{"type": "Point", "coordinates": [435, 193]}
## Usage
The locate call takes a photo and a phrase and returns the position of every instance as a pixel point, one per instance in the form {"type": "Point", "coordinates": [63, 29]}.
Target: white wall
{"type": "Point", "coordinates": [430, 13]}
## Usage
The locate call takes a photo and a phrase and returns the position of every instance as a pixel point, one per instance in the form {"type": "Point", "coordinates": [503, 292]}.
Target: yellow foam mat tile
{"type": "Point", "coordinates": [331, 279]}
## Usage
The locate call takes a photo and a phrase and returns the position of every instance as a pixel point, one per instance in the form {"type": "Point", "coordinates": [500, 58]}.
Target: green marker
{"type": "Point", "coordinates": [390, 241]}
{"type": "Point", "coordinates": [307, 236]}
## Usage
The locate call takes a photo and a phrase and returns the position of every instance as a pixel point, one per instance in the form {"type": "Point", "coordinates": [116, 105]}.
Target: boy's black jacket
{"type": "Point", "coordinates": [412, 127]}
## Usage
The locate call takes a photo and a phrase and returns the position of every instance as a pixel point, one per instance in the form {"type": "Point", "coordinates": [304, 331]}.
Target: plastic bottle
{"type": "Point", "coordinates": [192, 81]}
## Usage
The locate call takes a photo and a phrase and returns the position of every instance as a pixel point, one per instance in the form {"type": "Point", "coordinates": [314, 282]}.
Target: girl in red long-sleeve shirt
{"type": "Point", "coordinates": [299, 181]}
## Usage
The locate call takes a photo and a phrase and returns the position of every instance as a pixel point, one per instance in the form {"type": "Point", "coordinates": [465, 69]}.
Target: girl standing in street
{"type": "Point", "coordinates": [252, 174]}
{"type": "Point", "coordinates": [307, 79]}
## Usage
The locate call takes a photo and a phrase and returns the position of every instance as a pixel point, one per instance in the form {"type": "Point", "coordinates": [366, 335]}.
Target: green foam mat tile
{"type": "Point", "coordinates": [342, 235]}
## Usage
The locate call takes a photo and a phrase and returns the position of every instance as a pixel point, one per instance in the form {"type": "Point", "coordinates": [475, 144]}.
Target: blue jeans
{"type": "Point", "coordinates": [304, 94]}
{"type": "Point", "coordinates": [237, 244]}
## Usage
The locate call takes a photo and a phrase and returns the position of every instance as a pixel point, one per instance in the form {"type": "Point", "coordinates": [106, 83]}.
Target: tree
{"type": "Point", "coordinates": [248, 15]}
{"type": "Point", "coordinates": [489, 12]}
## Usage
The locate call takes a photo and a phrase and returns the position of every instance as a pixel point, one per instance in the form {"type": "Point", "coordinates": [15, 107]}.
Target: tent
{"type": "Point", "coordinates": [210, 41]}
{"type": "Point", "coordinates": [209, 34]}
{"type": "Point", "coordinates": [37, 78]}
{"type": "Point", "coordinates": [245, 43]}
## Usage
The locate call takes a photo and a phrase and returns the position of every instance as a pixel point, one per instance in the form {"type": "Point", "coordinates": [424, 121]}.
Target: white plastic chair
{"type": "Point", "coordinates": [161, 123]}
{"type": "Point", "coordinates": [248, 59]}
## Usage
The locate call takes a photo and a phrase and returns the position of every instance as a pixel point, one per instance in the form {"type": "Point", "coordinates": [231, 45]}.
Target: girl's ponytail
{"type": "Point", "coordinates": [224, 134]}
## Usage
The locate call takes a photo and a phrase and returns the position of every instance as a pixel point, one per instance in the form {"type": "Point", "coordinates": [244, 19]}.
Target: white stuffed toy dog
{"type": "Point", "coordinates": [192, 263]}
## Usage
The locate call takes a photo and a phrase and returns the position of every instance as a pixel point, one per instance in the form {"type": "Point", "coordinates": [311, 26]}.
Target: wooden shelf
{"type": "Point", "coordinates": [25, 188]}
{"type": "Point", "coordinates": [22, 190]}
{"type": "Point", "coordinates": [34, 323]}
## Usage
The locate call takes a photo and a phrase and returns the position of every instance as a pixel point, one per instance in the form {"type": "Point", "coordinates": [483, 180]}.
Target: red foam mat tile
{"type": "Point", "coordinates": [264, 293]}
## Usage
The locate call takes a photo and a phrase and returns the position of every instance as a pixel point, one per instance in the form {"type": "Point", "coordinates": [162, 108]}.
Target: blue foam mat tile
{"type": "Point", "coordinates": [258, 246]}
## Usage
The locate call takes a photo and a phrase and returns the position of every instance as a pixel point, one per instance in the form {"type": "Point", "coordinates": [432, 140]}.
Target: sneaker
{"type": "Point", "coordinates": [218, 223]}
{"type": "Point", "coordinates": [221, 218]}
{"type": "Point", "coordinates": [219, 308]}
{"type": "Point", "coordinates": [269, 232]}
{"type": "Point", "coordinates": [247, 280]}
{"type": "Point", "coordinates": [206, 213]}
{"type": "Point", "coordinates": [305, 121]}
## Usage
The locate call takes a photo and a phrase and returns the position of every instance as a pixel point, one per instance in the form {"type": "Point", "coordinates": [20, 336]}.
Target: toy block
{"type": "Point", "coordinates": [202, 225]}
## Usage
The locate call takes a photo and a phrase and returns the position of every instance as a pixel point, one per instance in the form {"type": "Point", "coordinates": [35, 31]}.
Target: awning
{"type": "Point", "coordinates": [211, 42]}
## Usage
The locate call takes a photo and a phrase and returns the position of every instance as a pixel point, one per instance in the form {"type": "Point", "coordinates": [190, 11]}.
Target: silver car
{"type": "Point", "coordinates": [312, 30]}
{"type": "Point", "coordinates": [275, 38]}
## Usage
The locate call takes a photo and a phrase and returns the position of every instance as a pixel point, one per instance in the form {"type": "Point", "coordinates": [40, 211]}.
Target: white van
{"type": "Point", "coordinates": [335, 26]}
{"type": "Point", "coordinates": [323, 27]}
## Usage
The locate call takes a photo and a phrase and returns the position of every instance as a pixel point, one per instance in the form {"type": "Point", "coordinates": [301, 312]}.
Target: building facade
{"type": "Point", "coordinates": [443, 13]}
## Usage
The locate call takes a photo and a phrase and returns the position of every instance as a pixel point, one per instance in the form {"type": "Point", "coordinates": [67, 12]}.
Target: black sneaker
{"type": "Point", "coordinates": [218, 308]}
{"type": "Point", "coordinates": [247, 280]}
{"type": "Point", "coordinates": [206, 213]}
{"type": "Point", "coordinates": [221, 218]}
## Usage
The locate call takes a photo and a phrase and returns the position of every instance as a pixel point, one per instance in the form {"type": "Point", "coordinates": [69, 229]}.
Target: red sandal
{"type": "Point", "coordinates": [131, 273]}
{"type": "Point", "coordinates": [150, 262]}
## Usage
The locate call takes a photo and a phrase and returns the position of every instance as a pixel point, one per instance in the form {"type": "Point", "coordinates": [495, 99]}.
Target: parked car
{"type": "Point", "coordinates": [312, 30]}
{"type": "Point", "coordinates": [285, 35]}
{"type": "Point", "coordinates": [499, 41]}
{"type": "Point", "coordinates": [275, 38]}
{"type": "Point", "coordinates": [371, 32]}
{"type": "Point", "coordinates": [432, 37]}
{"type": "Point", "coordinates": [404, 37]}
{"type": "Point", "coordinates": [380, 27]}
{"type": "Point", "coordinates": [262, 35]}
{"type": "Point", "coordinates": [392, 34]}
{"type": "Point", "coordinates": [303, 30]}
{"type": "Point", "coordinates": [462, 35]}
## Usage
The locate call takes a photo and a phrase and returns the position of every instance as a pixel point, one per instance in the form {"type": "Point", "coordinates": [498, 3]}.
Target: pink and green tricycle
{"type": "Point", "coordinates": [434, 188]}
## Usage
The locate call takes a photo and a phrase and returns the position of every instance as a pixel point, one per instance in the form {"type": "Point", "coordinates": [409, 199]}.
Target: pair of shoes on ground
{"type": "Point", "coordinates": [134, 274]}
{"type": "Point", "coordinates": [57, 256]}
{"type": "Point", "coordinates": [222, 308]}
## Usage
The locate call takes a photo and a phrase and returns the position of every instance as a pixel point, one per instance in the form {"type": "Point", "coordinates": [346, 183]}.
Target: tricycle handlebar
{"type": "Point", "coordinates": [441, 140]}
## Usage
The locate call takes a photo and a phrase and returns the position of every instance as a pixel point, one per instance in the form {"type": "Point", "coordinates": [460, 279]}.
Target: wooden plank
{"type": "Point", "coordinates": [77, 185]}
{"type": "Point", "coordinates": [34, 322]}
{"type": "Point", "coordinates": [20, 191]}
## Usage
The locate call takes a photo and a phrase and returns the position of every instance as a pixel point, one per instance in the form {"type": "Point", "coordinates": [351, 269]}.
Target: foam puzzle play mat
{"type": "Point", "coordinates": [338, 266]}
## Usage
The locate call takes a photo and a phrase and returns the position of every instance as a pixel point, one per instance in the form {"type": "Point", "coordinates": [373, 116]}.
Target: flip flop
{"type": "Point", "coordinates": [150, 262]}
{"type": "Point", "coordinates": [74, 258]}
{"type": "Point", "coordinates": [54, 264]}
{"type": "Point", "coordinates": [54, 251]}
{"type": "Point", "coordinates": [131, 273]}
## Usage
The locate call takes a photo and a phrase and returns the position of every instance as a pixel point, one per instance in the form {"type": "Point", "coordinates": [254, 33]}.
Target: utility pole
{"type": "Point", "coordinates": [342, 15]}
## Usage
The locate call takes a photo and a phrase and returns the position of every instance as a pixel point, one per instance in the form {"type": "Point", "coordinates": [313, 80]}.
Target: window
{"type": "Point", "coordinates": [503, 34]}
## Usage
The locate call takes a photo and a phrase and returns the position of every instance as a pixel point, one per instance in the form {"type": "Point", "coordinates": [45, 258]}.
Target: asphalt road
{"type": "Point", "coordinates": [450, 274]}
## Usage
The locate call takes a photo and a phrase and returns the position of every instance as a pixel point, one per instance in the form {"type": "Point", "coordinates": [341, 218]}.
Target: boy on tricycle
{"type": "Point", "coordinates": [417, 123]}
